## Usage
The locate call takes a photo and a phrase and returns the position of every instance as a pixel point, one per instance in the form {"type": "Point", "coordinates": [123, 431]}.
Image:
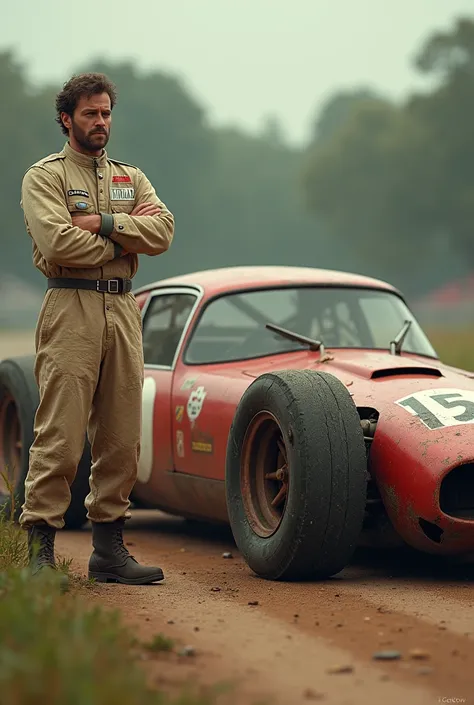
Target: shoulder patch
{"type": "Point", "coordinates": [118, 161]}
{"type": "Point", "coordinates": [47, 160]}
{"type": "Point", "coordinates": [52, 158]}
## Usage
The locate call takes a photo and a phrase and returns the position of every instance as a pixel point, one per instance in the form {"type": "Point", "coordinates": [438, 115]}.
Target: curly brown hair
{"type": "Point", "coordinates": [84, 84]}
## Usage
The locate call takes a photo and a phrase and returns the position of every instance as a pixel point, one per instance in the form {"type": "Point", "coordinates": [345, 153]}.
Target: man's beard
{"type": "Point", "coordinates": [87, 141]}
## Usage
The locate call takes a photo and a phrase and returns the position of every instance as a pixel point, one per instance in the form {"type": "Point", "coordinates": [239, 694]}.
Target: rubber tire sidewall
{"type": "Point", "coordinates": [17, 375]}
{"type": "Point", "coordinates": [328, 483]}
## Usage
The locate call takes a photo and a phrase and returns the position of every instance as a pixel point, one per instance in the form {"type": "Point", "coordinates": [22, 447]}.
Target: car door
{"type": "Point", "coordinates": [207, 387]}
{"type": "Point", "coordinates": [166, 315]}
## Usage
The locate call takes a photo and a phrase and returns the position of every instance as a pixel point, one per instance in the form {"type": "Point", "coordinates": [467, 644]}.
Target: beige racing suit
{"type": "Point", "coordinates": [89, 359]}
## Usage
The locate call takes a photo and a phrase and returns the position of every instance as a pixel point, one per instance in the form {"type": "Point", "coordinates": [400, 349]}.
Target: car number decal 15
{"type": "Point", "coordinates": [438, 408]}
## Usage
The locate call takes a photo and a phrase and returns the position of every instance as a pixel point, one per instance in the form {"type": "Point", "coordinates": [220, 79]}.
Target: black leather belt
{"type": "Point", "coordinates": [104, 286]}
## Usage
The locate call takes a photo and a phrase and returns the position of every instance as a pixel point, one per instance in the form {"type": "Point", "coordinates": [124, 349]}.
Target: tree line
{"type": "Point", "coordinates": [382, 188]}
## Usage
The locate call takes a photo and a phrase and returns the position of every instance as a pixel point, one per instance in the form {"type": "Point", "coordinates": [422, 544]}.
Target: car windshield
{"type": "Point", "coordinates": [232, 327]}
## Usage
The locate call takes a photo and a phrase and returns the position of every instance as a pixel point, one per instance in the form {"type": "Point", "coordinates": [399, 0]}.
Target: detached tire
{"type": "Point", "coordinates": [19, 399]}
{"type": "Point", "coordinates": [296, 476]}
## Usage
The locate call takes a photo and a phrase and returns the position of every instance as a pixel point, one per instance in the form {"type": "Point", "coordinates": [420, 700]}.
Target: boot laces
{"type": "Point", "coordinates": [118, 546]}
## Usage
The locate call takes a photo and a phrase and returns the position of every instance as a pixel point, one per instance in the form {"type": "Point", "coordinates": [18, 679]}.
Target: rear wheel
{"type": "Point", "coordinates": [296, 475]}
{"type": "Point", "coordinates": [19, 400]}
{"type": "Point", "coordinates": [11, 444]}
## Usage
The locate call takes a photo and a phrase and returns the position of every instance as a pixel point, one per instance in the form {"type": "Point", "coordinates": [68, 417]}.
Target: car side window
{"type": "Point", "coordinates": [163, 326]}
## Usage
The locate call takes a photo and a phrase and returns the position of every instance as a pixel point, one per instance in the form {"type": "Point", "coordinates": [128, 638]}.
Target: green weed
{"type": "Point", "coordinates": [13, 545]}
{"type": "Point", "coordinates": [56, 649]}
{"type": "Point", "coordinates": [455, 347]}
{"type": "Point", "coordinates": [160, 642]}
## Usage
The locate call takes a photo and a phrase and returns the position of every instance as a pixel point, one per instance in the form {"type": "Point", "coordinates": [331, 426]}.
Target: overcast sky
{"type": "Point", "coordinates": [242, 59]}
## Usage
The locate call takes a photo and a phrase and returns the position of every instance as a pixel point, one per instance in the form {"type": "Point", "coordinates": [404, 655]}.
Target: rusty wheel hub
{"type": "Point", "coordinates": [10, 443]}
{"type": "Point", "coordinates": [265, 474]}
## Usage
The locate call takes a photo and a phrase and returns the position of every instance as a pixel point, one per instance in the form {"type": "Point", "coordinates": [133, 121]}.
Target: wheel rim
{"type": "Point", "coordinates": [265, 475]}
{"type": "Point", "coordinates": [10, 442]}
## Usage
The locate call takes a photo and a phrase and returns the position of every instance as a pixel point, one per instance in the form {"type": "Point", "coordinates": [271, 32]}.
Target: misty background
{"type": "Point", "coordinates": [325, 133]}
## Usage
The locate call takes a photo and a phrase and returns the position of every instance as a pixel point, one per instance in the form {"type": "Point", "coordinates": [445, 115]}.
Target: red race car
{"type": "Point", "coordinates": [305, 407]}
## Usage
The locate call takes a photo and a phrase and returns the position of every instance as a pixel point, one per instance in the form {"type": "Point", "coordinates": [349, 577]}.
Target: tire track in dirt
{"type": "Point", "coordinates": [268, 650]}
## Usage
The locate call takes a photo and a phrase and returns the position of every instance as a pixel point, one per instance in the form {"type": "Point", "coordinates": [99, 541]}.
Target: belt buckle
{"type": "Point", "coordinates": [112, 286]}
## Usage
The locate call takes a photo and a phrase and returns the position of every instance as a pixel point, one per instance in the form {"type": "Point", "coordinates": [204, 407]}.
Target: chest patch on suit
{"type": "Point", "coordinates": [122, 194]}
{"type": "Point", "coordinates": [121, 179]}
{"type": "Point", "coordinates": [78, 192]}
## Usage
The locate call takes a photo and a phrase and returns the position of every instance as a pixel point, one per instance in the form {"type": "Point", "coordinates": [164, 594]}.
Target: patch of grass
{"type": "Point", "coordinates": [13, 544]}
{"type": "Point", "coordinates": [454, 346]}
{"type": "Point", "coordinates": [54, 650]}
{"type": "Point", "coordinates": [57, 649]}
{"type": "Point", "coordinates": [160, 642]}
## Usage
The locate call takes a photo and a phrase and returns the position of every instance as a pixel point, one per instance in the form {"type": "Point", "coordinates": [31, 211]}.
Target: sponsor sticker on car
{"type": "Point", "coordinates": [202, 442]}
{"type": "Point", "coordinates": [180, 443]}
{"type": "Point", "coordinates": [188, 383]}
{"type": "Point", "coordinates": [195, 403]}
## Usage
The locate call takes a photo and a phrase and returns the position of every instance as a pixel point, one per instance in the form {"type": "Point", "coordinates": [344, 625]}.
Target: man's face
{"type": "Point", "coordinates": [89, 127]}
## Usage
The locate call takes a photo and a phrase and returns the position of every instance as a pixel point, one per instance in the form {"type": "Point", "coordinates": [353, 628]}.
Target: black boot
{"type": "Point", "coordinates": [111, 562]}
{"type": "Point", "coordinates": [41, 551]}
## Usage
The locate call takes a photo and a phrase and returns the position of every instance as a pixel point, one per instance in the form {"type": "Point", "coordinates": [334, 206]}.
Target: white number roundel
{"type": "Point", "coordinates": [145, 465]}
{"type": "Point", "coordinates": [437, 408]}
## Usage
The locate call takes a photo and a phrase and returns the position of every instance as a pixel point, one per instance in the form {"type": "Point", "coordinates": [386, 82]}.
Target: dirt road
{"type": "Point", "coordinates": [277, 643]}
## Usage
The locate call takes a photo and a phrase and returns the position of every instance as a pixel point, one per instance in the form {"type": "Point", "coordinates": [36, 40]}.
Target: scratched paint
{"type": "Point", "coordinates": [391, 498]}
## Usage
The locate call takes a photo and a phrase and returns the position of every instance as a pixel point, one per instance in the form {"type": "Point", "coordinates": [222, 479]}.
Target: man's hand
{"type": "Point", "coordinates": [87, 222]}
{"type": "Point", "coordinates": [146, 208]}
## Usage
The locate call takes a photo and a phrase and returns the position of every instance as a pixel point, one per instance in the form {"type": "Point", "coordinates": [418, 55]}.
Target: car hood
{"type": "Point", "coordinates": [363, 366]}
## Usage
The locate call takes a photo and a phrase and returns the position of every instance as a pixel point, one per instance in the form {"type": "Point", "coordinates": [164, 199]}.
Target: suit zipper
{"type": "Point", "coordinates": [96, 165]}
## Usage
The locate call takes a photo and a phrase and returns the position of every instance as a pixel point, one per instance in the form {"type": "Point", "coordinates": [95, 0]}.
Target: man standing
{"type": "Point", "coordinates": [89, 217]}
